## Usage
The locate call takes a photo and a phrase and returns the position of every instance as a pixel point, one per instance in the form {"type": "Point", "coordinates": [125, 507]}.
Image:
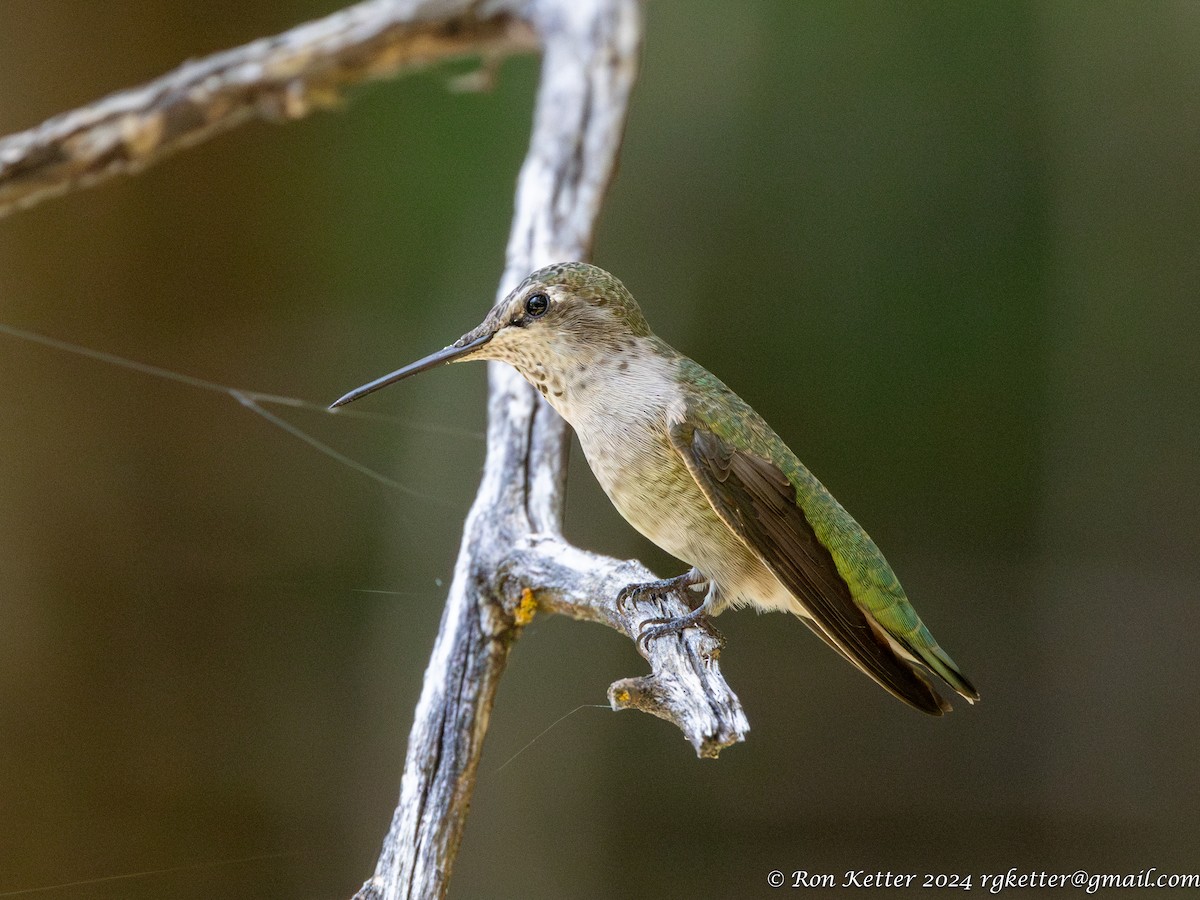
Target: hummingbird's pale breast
{"type": "Point", "coordinates": [622, 404]}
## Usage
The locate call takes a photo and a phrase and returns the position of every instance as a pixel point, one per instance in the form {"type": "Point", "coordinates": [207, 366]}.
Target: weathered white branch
{"type": "Point", "coordinates": [512, 559]}
{"type": "Point", "coordinates": [685, 686]}
{"type": "Point", "coordinates": [282, 77]}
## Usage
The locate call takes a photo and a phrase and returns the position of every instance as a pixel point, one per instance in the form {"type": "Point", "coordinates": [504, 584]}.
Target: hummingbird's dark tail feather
{"type": "Point", "coordinates": [939, 662]}
{"type": "Point", "coordinates": [901, 678]}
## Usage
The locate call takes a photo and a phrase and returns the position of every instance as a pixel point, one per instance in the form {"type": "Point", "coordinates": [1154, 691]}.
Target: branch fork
{"type": "Point", "coordinates": [512, 559]}
{"type": "Point", "coordinates": [684, 687]}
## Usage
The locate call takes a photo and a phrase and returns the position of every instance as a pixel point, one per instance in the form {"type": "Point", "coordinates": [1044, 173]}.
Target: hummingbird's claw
{"type": "Point", "coordinates": [651, 589]}
{"type": "Point", "coordinates": [653, 629]}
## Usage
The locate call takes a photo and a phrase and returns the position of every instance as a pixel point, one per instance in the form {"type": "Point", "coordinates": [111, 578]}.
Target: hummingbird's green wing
{"type": "Point", "coordinates": [758, 502]}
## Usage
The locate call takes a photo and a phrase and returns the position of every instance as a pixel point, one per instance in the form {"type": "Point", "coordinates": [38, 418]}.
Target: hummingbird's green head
{"type": "Point", "coordinates": [570, 310]}
{"type": "Point", "coordinates": [564, 315]}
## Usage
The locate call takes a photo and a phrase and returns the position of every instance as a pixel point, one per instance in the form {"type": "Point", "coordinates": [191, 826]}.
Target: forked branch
{"type": "Point", "coordinates": [512, 559]}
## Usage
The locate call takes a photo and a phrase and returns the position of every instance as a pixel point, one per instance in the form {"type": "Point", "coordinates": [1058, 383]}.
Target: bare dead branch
{"type": "Point", "coordinates": [512, 559]}
{"type": "Point", "coordinates": [282, 77]}
{"type": "Point", "coordinates": [685, 686]}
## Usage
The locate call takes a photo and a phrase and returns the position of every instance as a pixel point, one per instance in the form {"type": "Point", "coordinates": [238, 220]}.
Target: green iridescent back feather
{"type": "Point", "coordinates": [872, 583]}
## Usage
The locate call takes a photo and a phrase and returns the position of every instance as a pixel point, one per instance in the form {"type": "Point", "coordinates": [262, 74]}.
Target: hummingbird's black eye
{"type": "Point", "coordinates": [536, 305]}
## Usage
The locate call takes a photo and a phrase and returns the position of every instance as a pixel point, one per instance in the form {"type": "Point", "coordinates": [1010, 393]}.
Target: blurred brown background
{"type": "Point", "coordinates": [948, 249]}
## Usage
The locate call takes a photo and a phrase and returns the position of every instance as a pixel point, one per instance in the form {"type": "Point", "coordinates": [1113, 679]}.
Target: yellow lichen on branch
{"type": "Point", "coordinates": [526, 609]}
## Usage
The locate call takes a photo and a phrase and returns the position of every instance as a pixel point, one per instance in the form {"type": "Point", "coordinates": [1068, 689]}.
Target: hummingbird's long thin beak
{"type": "Point", "coordinates": [448, 354]}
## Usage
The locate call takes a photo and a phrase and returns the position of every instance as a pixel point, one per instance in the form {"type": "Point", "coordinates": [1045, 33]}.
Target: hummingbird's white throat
{"type": "Point", "coordinates": [606, 385]}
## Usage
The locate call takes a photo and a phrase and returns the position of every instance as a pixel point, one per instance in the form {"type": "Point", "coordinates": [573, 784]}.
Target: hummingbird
{"type": "Point", "coordinates": [697, 471]}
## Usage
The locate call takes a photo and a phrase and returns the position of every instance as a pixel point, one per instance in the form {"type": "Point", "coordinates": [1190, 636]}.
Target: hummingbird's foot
{"type": "Point", "coordinates": [656, 628]}
{"type": "Point", "coordinates": [651, 589]}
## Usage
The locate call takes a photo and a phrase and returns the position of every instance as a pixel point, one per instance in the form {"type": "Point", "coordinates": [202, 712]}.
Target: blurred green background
{"type": "Point", "coordinates": [948, 249]}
